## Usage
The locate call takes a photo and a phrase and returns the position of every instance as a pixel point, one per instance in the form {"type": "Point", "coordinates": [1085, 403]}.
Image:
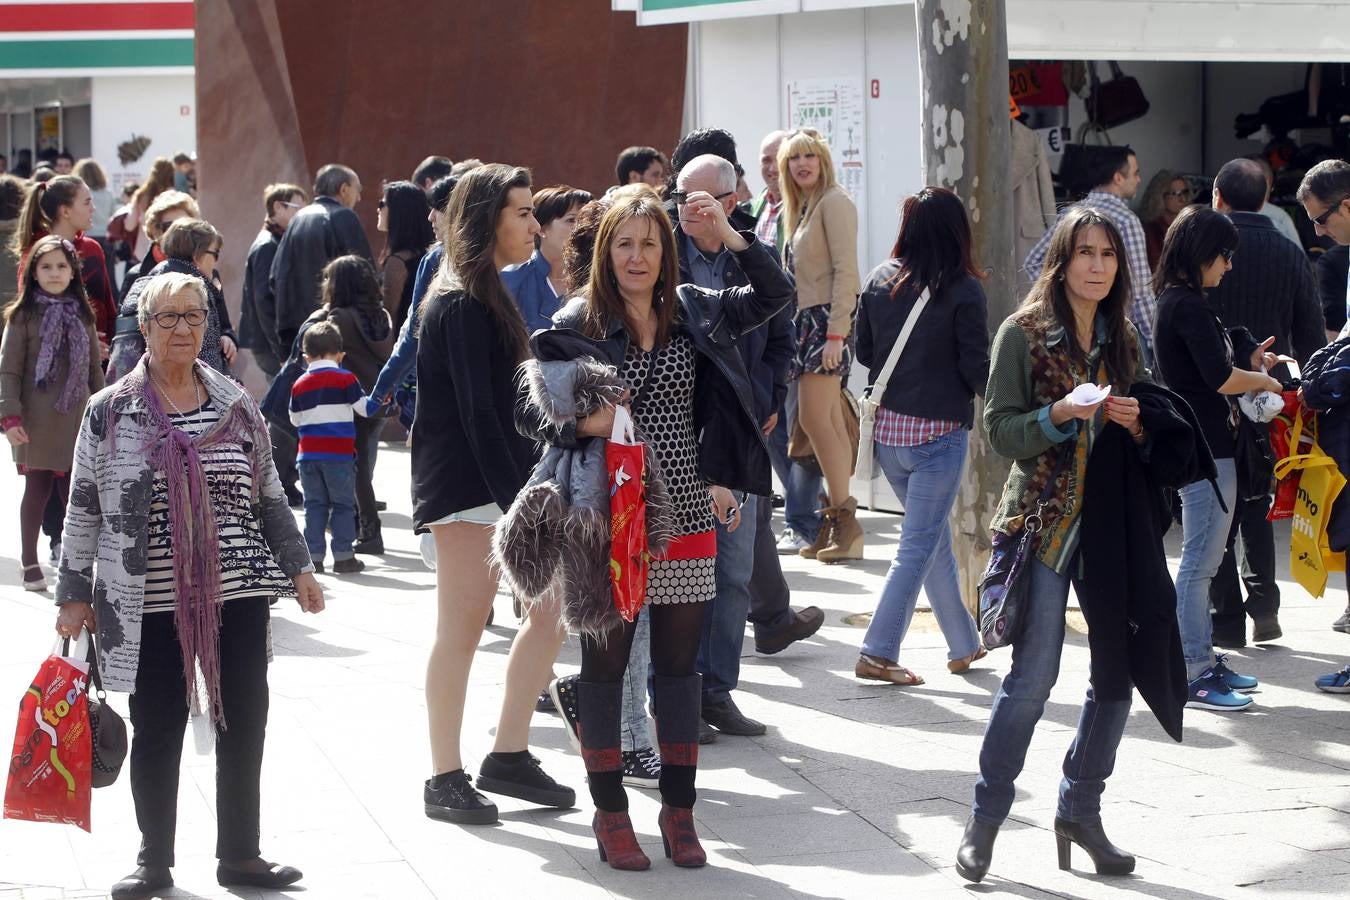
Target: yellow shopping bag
{"type": "Point", "coordinates": [1310, 555]}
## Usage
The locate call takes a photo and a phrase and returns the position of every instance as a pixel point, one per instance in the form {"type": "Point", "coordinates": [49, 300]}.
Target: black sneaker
{"type": "Point", "coordinates": [524, 780]}
{"type": "Point", "coordinates": [545, 703]}
{"type": "Point", "coordinates": [642, 768]}
{"type": "Point", "coordinates": [563, 693]}
{"type": "Point", "coordinates": [348, 566]}
{"type": "Point", "coordinates": [453, 799]}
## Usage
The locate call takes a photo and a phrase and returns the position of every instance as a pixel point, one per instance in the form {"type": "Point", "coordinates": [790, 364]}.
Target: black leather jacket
{"type": "Point", "coordinates": [732, 451]}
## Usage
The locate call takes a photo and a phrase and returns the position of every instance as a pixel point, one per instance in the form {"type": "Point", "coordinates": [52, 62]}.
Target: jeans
{"type": "Point", "coordinates": [770, 611]}
{"type": "Point", "coordinates": [1251, 539]}
{"type": "Point", "coordinates": [1204, 534]}
{"type": "Point", "coordinates": [1018, 705]}
{"type": "Point", "coordinates": [633, 732]}
{"type": "Point", "coordinates": [330, 504]}
{"type": "Point", "coordinates": [925, 479]}
{"type": "Point", "coordinates": [801, 487]}
{"type": "Point", "coordinates": [719, 652]}
{"type": "Point", "coordinates": [159, 713]}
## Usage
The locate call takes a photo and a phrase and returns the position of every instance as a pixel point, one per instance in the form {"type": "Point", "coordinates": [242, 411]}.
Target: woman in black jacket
{"type": "Point", "coordinates": [468, 463]}
{"type": "Point", "coordinates": [923, 425]}
{"type": "Point", "coordinates": [675, 347]}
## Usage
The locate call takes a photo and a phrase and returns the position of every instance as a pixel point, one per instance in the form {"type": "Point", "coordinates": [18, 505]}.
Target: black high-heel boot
{"type": "Point", "coordinates": [1106, 856]}
{"type": "Point", "coordinates": [976, 851]}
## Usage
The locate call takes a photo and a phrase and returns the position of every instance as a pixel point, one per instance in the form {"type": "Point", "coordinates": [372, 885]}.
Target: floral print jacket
{"type": "Point", "coordinates": [104, 548]}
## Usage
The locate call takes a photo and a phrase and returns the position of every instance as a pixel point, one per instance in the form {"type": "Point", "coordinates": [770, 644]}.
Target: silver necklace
{"type": "Point", "coordinates": [196, 397]}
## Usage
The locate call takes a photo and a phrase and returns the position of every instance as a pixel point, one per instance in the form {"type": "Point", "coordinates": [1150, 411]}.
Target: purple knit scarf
{"type": "Point", "coordinates": [62, 328]}
{"type": "Point", "coordinates": [192, 526]}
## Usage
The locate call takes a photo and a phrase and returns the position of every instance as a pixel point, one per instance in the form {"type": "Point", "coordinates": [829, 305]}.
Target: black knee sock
{"type": "Point", "coordinates": [607, 791]}
{"type": "Point", "coordinates": [677, 785]}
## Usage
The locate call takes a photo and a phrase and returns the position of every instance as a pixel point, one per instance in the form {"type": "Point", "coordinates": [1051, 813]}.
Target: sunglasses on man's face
{"type": "Point", "coordinates": [682, 197]}
{"type": "Point", "coordinates": [1322, 219]}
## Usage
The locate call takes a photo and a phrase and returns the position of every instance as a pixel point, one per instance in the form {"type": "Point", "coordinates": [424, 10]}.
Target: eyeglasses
{"type": "Point", "coordinates": [1322, 219]}
{"type": "Point", "coordinates": [195, 318]}
{"type": "Point", "coordinates": [1228, 254]}
{"type": "Point", "coordinates": [1184, 192]}
{"type": "Point", "coordinates": [682, 197]}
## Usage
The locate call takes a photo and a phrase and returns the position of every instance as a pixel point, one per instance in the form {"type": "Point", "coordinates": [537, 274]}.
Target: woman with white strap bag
{"type": "Point", "coordinates": [923, 336]}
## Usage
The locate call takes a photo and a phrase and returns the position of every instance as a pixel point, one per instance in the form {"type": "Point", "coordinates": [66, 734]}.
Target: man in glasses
{"type": "Point", "coordinates": [749, 578]}
{"type": "Point", "coordinates": [1325, 195]}
{"type": "Point", "coordinates": [258, 316]}
{"type": "Point", "coordinates": [1269, 291]}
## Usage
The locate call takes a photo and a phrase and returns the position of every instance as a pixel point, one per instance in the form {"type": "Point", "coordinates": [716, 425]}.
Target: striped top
{"type": "Point", "coordinates": [247, 568]}
{"type": "Point", "coordinates": [323, 402]}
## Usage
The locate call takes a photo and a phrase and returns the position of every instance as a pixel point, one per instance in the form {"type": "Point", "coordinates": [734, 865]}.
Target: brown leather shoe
{"type": "Point", "coordinates": [962, 665]}
{"type": "Point", "coordinates": [823, 536]}
{"type": "Point", "coordinates": [846, 540]}
{"type": "Point", "coordinates": [873, 668]}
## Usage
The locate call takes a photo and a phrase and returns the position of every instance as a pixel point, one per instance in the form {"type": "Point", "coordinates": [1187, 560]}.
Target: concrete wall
{"type": "Point", "coordinates": [162, 108]}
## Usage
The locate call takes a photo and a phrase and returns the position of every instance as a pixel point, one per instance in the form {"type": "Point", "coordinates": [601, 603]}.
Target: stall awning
{"type": "Point", "coordinates": [99, 37]}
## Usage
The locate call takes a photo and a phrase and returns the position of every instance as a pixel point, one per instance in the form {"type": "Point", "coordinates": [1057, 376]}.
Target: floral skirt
{"type": "Point", "coordinates": [813, 325]}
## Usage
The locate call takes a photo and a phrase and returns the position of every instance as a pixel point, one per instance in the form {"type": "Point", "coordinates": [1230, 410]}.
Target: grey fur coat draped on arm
{"type": "Point", "coordinates": [556, 535]}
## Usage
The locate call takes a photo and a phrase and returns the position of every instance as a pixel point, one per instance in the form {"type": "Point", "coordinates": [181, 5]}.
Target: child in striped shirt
{"type": "Point", "coordinates": [323, 402]}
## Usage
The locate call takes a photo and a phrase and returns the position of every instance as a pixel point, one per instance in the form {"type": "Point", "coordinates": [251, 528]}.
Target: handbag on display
{"type": "Point", "coordinates": [1114, 102]}
{"type": "Point", "coordinates": [870, 403]}
{"type": "Point", "coordinates": [1006, 580]}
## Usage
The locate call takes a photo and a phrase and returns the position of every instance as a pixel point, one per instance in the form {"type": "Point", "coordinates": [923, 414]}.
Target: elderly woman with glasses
{"type": "Point", "coordinates": [191, 247]}
{"type": "Point", "coordinates": [1167, 195]}
{"type": "Point", "coordinates": [178, 537]}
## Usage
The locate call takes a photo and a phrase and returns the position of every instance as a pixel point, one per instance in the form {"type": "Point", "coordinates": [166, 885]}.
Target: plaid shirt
{"type": "Point", "coordinates": [1144, 306]}
{"type": "Point", "coordinates": [895, 429]}
{"type": "Point", "coordinates": [766, 227]}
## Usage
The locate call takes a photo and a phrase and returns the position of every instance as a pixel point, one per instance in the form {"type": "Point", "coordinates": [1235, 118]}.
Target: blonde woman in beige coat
{"type": "Point", "coordinates": [821, 230]}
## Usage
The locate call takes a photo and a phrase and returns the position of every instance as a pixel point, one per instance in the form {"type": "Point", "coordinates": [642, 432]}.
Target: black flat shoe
{"type": "Point", "coordinates": [976, 851]}
{"type": "Point", "coordinates": [525, 780]}
{"type": "Point", "coordinates": [1106, 856]}
{"type": "Point", "coordinates": [144, 882]}
{"type": "Point", "coordinates": [805, 622]}
{"type": "Point", "coordinates": [450, 797]}
{"type": "Point", "coordinates": [728, 719]}
{"type": "Point", "coordinates": [276, 876]}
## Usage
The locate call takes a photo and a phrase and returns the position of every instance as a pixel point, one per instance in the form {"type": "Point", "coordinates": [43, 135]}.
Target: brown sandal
{"type": "Point", "coordinates": [873, 668]}
{"type": "Point", "coordinates": [962, 665]}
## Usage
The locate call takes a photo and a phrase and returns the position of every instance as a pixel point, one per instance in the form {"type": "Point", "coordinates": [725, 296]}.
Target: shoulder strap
{"type": "Point", "coordinates": [884, 376]}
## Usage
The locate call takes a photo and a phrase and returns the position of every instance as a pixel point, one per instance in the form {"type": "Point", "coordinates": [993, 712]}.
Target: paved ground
{"type": "Point", "coordinates": [857, 791]}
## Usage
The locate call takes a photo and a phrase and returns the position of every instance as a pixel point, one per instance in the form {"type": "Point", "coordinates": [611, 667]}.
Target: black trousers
{"type": "Point", "coordinates": [367, 443]}
{"type": "Point", "coordinates": [769, 592]}
{"type": "Point", "coordinates": [159, 714]}
{"type": "Point", "coordinates": [284, 443]}
{"type": "Point", "coordinates": [1253, 539]}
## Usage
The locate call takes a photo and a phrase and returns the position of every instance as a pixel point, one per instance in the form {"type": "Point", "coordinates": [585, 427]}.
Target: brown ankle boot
{"type": "Point", "coordinates": [823, 536]}
{"type": "Point", "coordinates": [846, 538]}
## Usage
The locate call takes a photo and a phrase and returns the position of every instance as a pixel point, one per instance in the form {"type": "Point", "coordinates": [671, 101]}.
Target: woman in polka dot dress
{"type": "Point", "coordinates": [675, 347]}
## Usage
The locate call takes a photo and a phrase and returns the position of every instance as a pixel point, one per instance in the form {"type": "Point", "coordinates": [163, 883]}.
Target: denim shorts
{"type": "Point", "coordinates": [487, 514]}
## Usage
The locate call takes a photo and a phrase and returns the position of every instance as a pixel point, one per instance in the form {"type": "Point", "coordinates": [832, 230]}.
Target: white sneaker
{"type": "Point", "coordinates": [790, 543]}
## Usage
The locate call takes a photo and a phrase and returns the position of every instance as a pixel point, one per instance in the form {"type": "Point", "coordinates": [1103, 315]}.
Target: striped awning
{"type": "Point", "coordinates": [40, 38]}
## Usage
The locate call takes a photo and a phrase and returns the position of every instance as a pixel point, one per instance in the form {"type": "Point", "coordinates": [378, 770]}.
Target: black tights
{"type": "Point", "coordinates": [677, 629]}
{"type": "Point", "coordinates": [38, 488]}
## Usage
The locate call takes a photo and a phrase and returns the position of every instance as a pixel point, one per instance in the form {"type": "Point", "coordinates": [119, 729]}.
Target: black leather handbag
{"type": "Point", "coordinates": [107, 730]}
{"type": "Point", "coordinates": [1006, 580]}
{"type": "Point", "coordinates": [1114, 102]}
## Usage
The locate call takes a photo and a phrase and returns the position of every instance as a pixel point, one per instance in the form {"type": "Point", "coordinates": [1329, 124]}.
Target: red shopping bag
{"type": "Point", "coordinates": [629, 556]}
{"type": "Point", "coordinates": [50, 768]}
{"type": "Point", "coordinates": [1289, 437]}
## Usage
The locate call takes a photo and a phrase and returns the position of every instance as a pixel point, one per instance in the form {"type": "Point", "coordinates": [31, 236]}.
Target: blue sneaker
{"type": "Point", "coordinates": [1232, 679]}
{"type": "Point", "coordinates": [1336, 682]}
{"type": "Point", "coordinates": [1210, 692]}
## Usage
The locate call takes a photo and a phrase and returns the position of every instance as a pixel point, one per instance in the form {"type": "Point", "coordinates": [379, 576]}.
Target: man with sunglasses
{"type": "Point", "coordinates": [1325, 195]}
{"type": "Point", "coordinates": [1269, 291]}
{"type": "Point", "coordinates": [750, 581]}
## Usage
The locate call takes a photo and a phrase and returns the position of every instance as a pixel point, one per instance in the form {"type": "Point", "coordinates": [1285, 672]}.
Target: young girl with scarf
{"type": "Point", "coordinates": [49, 366]}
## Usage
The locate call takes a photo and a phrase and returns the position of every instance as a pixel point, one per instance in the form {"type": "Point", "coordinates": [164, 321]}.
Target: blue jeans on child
{"type": "Point", "coordinates": [330, 503]}
{"type": "Point", "coordinates": [633, 731]}
{"type": "Point", "coordinates": [1018, 705]}
{"type": "Point", "coordinates": [925, 478]}
{"type": "Point", "coordinates": [1204, 537]}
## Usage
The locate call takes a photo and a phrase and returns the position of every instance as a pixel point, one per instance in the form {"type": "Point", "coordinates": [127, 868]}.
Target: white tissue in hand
{"type": "Point", "coordinates": [1261, 406]}
{"type": "Point", "coordinates": [1089, 394]}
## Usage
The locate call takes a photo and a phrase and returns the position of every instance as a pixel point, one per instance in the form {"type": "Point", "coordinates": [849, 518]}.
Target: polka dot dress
{"type": "Point", "coordinates": [663, 382]}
